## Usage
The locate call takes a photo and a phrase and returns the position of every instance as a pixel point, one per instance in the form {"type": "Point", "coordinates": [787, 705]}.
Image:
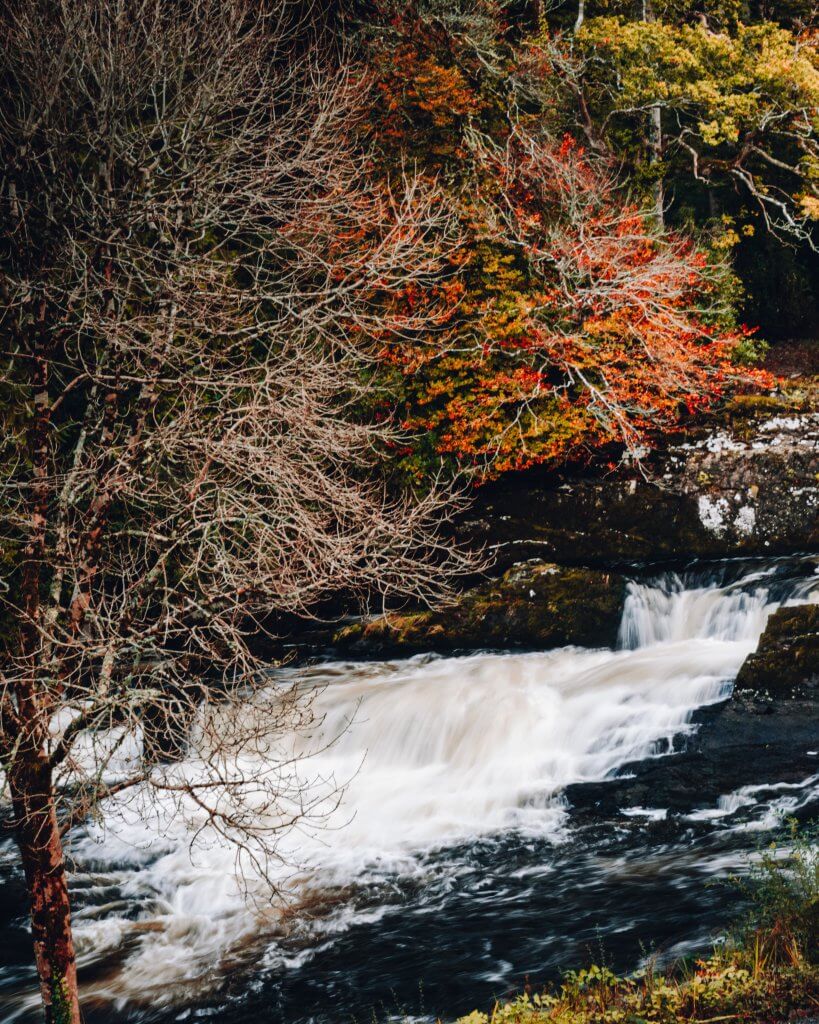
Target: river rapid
{"type": "Point", "coordinates": [461, 858]}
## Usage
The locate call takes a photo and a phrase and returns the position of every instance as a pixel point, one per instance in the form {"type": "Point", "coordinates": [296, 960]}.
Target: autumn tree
{"type": "Point", "coordinates": [195, 268]}
{"type": "Point", "coordinates": [577, 323]}
{"type": "Point", "coordinates": [700, 101]}
{"type": "Point", "coordinates": [717, 14]}
{"type": "Point", "coordinates": [598, 327]}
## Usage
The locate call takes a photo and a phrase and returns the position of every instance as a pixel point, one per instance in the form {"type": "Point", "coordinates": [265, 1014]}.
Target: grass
{"type": "Point", "coordinates": [767, 969]}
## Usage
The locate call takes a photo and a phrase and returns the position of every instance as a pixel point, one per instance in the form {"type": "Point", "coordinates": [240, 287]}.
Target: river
{"type": "Point", "coordinates": [455, 866]}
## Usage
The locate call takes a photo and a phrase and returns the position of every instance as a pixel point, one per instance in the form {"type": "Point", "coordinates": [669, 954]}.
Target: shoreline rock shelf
{"type": "Point", "coordinates": [534, 604]}
{"type": "Point", "coordinates": [746, 492]}
{"type": "Point", "coordinates": [566, 549]}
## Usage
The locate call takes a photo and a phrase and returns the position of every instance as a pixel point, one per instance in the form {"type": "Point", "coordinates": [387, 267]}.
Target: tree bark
{"type": "Point", "coordinates": [38, 837]}
{"type": "Point", "coordinates": [656, 142]}
{"type": "Point", "coordinates": [656, 137]}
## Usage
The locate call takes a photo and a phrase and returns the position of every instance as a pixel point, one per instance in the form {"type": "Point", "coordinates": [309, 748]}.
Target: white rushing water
{"type": "Point", "coordinates": [436, 752]}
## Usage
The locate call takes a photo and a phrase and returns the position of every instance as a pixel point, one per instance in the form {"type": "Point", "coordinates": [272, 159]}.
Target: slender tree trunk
{"type": "Point", "coordinates": [655, 136]}
{"type": "Point", "coordinates": [656, 142]}
{"type": "Point", "coordinates": [581, 15]}
{"type": "Point", "coordinates": [29, 775]}
{"type": "Point", "coordinates": [38, 837]}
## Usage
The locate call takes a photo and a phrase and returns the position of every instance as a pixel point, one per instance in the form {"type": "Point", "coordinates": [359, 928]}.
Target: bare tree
{"type": "Point", "coordinates": [195, 270]}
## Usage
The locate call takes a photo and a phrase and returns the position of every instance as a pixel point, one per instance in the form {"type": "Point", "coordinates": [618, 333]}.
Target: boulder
{"type": "Point", "coordinates": [534, 605]}
{"type": "Point", "coordinates": [786, 661]}
{"type": "Point", "coordinates": [748, 490]}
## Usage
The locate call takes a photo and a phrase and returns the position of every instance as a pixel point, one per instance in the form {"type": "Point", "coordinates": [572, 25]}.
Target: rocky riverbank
{"type": "Point", "coordinates": [562, 550]}
{"type": "Point", "coordinates": [749, 488]}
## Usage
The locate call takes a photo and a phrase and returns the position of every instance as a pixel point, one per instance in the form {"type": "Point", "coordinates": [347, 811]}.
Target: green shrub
{"type": "Point", "coordinates": [749, 352]}
{"type": "Point", "coordinates": [783, 892]}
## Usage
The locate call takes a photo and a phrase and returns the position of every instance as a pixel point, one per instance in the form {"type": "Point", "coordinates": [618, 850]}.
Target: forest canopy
{"type": "Point", "coordinates": [618, 172]}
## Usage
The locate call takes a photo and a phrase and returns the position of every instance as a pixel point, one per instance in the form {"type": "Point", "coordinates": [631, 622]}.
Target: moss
{"type": "Point", "coordinates": [750, 405]}
{"type": "Point", "coordinates": [743, 412]}
{"type": "Point", "coordinates": [787, 657]}
{"type": "Point", "coordinates": [534, 604]}
{"type": "Point", "coordinates": [60, 1001]}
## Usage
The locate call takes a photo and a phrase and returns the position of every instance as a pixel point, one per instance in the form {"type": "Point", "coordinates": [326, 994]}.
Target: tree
{"type": "Point", "coordinates": [730, 104]}
{"type": "Point", "coordinates": [577, 324]}
{"type": "Point", "coordinates": [596, 326]}
{"type": "Point", "coordinates": [195, 269]}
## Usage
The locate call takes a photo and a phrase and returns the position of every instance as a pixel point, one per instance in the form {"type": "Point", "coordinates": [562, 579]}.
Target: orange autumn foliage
{"type": "Point", "coordinates": [569, 321]}
{"type": "Point", "coordinates": [581, 323]}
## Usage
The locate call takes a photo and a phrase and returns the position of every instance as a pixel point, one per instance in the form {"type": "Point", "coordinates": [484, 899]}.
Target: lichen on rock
{"type": "Point", "coordinates": [746, 491]}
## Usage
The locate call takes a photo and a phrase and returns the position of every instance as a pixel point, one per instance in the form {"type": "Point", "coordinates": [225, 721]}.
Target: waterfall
{"type": "Point", "coordinates": [433, 753]}
{"type": "Point", "coordinates": [672, 608]}
{"type": "Point", "coordinates": [670, 612]}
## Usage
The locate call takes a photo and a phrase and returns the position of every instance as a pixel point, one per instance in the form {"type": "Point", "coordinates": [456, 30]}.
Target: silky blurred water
{"type": "Point", "coordinates": [453, 867]}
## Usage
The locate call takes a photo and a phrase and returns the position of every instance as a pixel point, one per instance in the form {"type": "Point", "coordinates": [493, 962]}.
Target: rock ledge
{"type": "Point", "coordinates": [786, 661]}
{"type": "Point", "coordinates": [534, 604]}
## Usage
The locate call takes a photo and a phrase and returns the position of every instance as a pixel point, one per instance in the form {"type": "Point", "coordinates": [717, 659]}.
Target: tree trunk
{"type": "Point", "coordinates": [38, 837]}
{"type": "Point", "coordinates": [656, 136]}
{"type": "Point", "coordinates": [656, 141]}
{"type": "Point", "coordinates": [581, 15]}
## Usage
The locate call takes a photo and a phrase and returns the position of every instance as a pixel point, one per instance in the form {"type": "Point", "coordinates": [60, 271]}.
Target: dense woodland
{"type": "Point", "coordinates": [633, 183]}
{"type": "Point", "coordinates": [282, 284]}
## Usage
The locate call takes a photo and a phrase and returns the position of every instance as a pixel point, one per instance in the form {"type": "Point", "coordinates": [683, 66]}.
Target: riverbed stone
{"type": "Point", "coordinates": [748, 740]}
{"type": "Point", "coordinates": [536, 605]}
{"type": "Point", "coordinates": [786, 661]}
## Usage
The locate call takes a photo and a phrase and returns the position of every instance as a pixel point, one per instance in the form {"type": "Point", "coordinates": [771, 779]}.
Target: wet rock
{"type": "Point", "coordinates": [748, 741]}
{"type": "Point", "coordinates": [533, 605]}
{"type": "Point", "coordinates": [749, 489]}
{"type": "Point", "coordinates": [787, 658]}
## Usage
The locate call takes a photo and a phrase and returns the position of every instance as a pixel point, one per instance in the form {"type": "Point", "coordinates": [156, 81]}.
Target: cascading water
{"type": "Point", "coordinates": [435, 755]}
{"type": "Point", "coordinates": [673, 609]}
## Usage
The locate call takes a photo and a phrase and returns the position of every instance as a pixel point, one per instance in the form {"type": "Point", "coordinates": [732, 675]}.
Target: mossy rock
{"type": "Point", "coordinates": [534, 605]}
{"type": "Point", "coordinates": [786, 661]}
{"type": "Point", "coordinates": [755, 405]}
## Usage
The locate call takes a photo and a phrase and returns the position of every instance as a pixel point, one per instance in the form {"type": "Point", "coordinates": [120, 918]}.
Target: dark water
{"type": "Point", "coordinates": [517, 913]}
{"type": "Point", "coordinates": [521, 914]}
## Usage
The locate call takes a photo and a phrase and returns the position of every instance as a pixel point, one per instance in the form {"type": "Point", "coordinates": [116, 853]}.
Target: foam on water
{"type": "Point", "coordinates": [431, 752]}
